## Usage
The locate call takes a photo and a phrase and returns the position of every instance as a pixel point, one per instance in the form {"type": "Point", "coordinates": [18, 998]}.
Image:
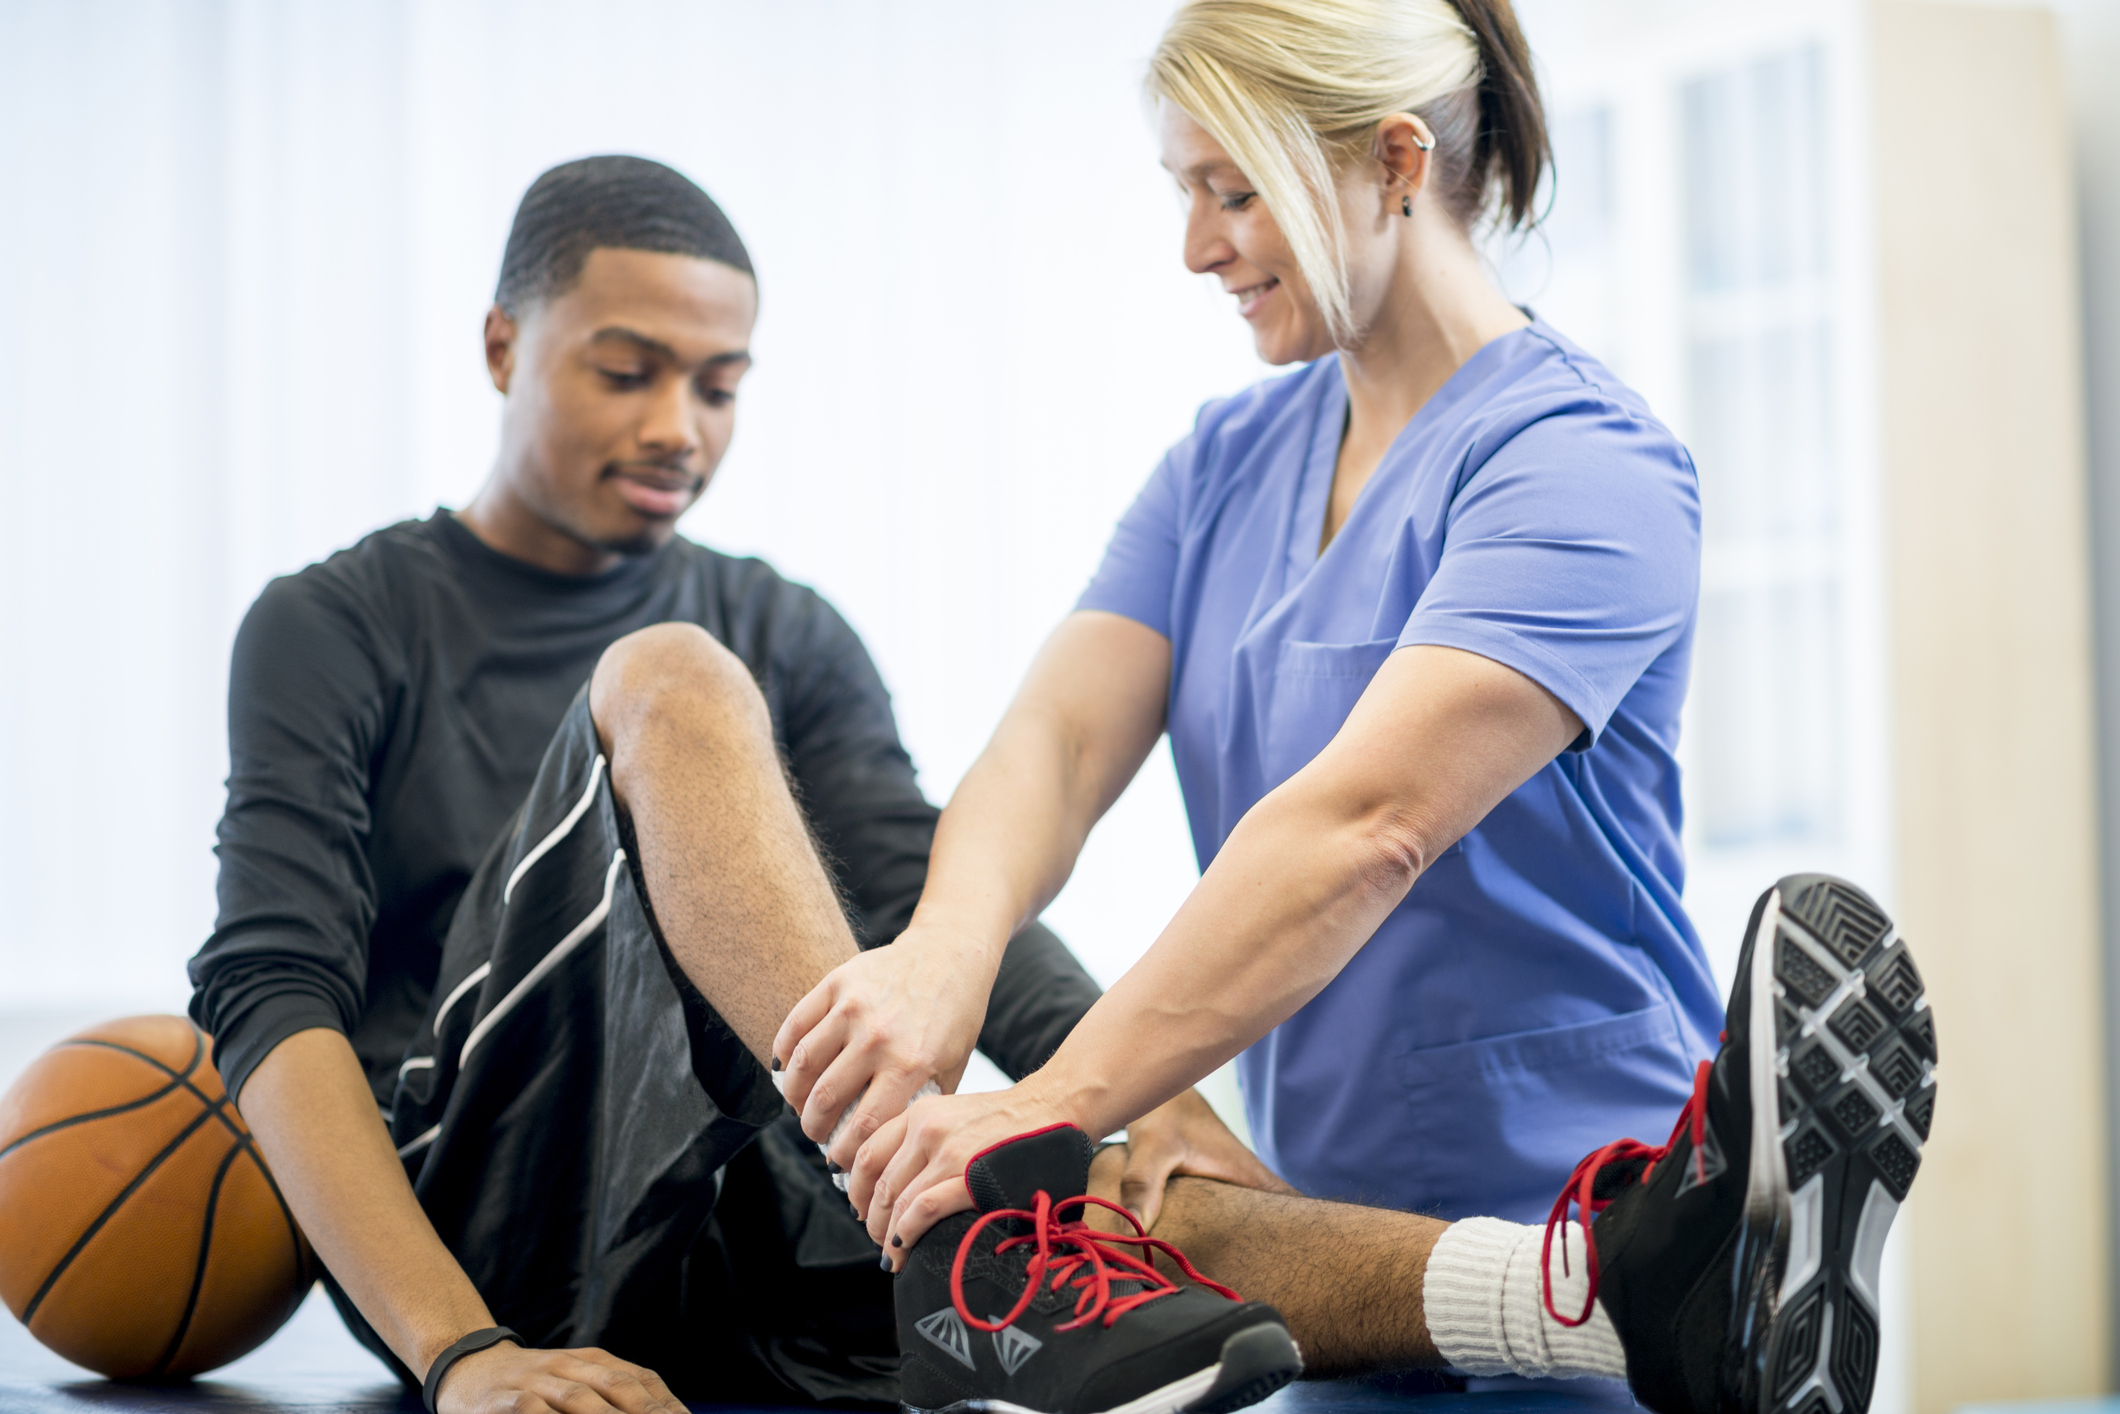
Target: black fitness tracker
{"type": "Point", "coordinates": [469, 1345]}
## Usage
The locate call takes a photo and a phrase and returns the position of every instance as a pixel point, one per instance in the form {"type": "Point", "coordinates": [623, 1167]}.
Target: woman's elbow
{"type": "Point", "coordinates": [1392, 847]}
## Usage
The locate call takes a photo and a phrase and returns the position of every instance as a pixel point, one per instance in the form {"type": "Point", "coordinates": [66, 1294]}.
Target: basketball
{"type": "Point", "coordinates": [140, 1235]}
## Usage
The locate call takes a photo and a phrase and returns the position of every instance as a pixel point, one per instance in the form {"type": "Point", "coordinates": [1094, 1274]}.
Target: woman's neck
{"type": "Point", "coordinates": [1438, 311]}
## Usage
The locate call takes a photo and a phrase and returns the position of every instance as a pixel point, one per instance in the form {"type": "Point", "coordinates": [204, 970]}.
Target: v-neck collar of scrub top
{"type": "Point", "coordinates": [1314, 489]}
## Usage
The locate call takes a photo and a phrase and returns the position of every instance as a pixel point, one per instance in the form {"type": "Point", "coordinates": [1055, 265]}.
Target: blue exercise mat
{"type": "Point", "coordinates": [314, 1366]}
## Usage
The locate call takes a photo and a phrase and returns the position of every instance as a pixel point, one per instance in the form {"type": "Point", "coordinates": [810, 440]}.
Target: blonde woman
{"type": "Point", "coordinates": [1417, 619]}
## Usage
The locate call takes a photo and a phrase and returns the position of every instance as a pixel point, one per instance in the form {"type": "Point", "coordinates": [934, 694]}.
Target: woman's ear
{"type": "Point", "coordinates": [1403, 144]}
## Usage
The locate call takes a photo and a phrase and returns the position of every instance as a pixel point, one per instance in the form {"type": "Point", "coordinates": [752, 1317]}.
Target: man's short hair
{"type": "Point", "coordinates": [628, 203]}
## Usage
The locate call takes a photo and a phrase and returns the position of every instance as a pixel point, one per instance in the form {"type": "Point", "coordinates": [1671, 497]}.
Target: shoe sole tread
{"type": "Point", "coordinates": [1254, 1363]}
{"type": "Point", "coordinates": [1854, 1091]}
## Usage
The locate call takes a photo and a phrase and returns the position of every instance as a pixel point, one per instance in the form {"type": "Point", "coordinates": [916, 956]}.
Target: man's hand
{"type": "Point", "coordinates": [1185, 1135]}
{"type": "Point", "coordinates": [507, 1379]}
{"type": "Point", "coordinates": [881, 1025]}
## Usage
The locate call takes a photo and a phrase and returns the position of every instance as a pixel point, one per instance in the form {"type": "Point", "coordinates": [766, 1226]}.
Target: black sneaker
{"type": "Point", "coordinates": [1012, 1309]}
{"type": "Point", "coordinates": [1739, 1262]}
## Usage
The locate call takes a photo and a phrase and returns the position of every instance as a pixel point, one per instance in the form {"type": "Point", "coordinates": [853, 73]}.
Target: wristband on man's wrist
{"type": "Point", "coordinates": [469, 1345]}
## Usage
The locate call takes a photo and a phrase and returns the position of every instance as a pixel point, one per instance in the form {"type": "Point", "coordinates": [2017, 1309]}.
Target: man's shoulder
{"type": "Point", "coordinates": [366, 583]}
{"type": "Point", "coordinates": [372, 564]}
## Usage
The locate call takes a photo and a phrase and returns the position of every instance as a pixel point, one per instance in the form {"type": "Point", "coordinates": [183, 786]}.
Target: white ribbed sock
{"type": "Point", "coordinates": [1487, 1310]}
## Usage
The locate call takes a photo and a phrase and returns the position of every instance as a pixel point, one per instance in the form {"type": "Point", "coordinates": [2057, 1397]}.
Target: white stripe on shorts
{"type": "Point", "coordinates": [581, 808]}
{"type": "Point", "coordinates": [546, 963]}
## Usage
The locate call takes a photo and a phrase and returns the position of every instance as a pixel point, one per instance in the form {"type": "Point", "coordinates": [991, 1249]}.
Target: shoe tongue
{"type": "Point", "coordinates": [1010, 1174]}
{"type": "Point", "coordinates": [1617, 1177]}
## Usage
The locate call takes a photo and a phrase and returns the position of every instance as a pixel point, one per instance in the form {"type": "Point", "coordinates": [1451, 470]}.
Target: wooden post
{"type": "Point", "coordinates": [1987, 533]}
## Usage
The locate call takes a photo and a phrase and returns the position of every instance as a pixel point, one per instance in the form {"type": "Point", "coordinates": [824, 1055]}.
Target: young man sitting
{"type": "Point", "coordinates": [465, 755]}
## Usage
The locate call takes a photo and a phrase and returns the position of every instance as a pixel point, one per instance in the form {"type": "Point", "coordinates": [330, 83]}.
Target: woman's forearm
{"type": "Point", "coordinates": [1298, 888]}
{"type": "Point", "coordinates": [1088, 713]}
{"type": "Point", "coordinates": [1307, 876]}
{"type": "Point", "coordinates": [1010, 836]}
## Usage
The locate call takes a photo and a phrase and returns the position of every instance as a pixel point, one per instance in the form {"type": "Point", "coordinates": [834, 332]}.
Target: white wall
{"type": "Point", "coordinates": [251, 246]}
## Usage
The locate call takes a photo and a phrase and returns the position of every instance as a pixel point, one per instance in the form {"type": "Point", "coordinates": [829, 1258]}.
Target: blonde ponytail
{"type": "Point", "coordinates": [1293, 90]}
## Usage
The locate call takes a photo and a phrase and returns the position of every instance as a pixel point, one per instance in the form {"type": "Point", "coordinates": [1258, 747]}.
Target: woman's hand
{"type": "Point", "coordinates": [1186, 1136]}
{"type": "Point", "coordinates": [910, 1174]}
{"type": "Point", "coordinates": [881, 1025]}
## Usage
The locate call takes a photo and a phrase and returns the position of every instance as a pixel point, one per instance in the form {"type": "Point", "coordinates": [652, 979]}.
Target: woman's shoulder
{"type": "Point", "coordinates": [1233, 434]}
{"type": "Point", "coordinates": [1547, 390]}
{"type": "Point", "coordinates": [1255, 408]}
{"type": "Point", "coordinates": [1547, 374]}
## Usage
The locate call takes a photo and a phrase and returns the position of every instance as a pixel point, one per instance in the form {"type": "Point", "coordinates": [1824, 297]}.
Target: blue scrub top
{"type": "Point", "coordinates": [1540, 992]}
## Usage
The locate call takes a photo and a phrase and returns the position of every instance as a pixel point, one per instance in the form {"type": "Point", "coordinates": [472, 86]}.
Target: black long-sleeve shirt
{"type": "Point", "coordinates": [387, 711]}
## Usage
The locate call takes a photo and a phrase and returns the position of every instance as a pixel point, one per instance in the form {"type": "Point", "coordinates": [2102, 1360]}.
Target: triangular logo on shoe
{"type": "Point", "coordinates": [948, 1331]}
{"type": "Point", "coordinates": [1013, 1346]}
{"type": "Point", "coordinates": [1704, 1163]}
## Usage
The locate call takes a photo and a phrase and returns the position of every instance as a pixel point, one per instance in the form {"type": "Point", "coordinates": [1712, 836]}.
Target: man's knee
{"type": "Point", "coordinates": [672, 673]}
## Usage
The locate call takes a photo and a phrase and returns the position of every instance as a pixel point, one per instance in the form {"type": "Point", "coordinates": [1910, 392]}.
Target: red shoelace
{"type": "Point", "coordinates": [1579, 1191]}
{"type": "Point", "coordinates": [1076, 1254]}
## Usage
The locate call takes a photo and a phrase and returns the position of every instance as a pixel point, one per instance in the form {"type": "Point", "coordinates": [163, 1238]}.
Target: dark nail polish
{"type": "Point", "coordinates": [886, 1263]}
{"type": "Point", "coordinates": [776, 1062]}
{"type": "Point", "coordinates": [897, 1241]}
{"type": "Point", "coordinates": [830, 1167]}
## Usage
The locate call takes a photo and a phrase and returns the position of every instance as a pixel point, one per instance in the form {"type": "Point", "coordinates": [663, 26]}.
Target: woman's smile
{"type": "Point", "coordinates": [1250, 297]}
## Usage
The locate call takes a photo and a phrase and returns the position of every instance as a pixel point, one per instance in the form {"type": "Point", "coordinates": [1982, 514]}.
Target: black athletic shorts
{"type": "Point", "coordinates": [578, 1124]}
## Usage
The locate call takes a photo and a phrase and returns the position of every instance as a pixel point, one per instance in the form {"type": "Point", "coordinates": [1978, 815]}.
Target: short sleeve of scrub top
{"type": "Point", "coordinates": [1540, 991]}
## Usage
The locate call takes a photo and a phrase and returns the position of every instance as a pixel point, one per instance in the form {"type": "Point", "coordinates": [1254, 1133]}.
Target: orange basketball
{"type": "Point", "coordinates": [140, 1234]}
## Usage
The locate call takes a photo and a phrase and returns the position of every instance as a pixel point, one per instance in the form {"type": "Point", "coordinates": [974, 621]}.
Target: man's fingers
{"type": "Point", "coordinates": [615, 1383]}
{"type": "Point", "coordinates": [625, 1391]}
{"type": "Point", "coordinates": [555, 1382]}
{"type": "Point", "coordinates": [573, 1396]}
{"type": "Point", "coordinates": [660, 1393]}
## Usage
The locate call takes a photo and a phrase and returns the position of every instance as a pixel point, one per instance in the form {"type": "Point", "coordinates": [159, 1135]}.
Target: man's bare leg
{"type": "Point", "coordinates": [1346, 1279]}
{"type": "Point", "coordinates": [739, 893]}
{"type": "Point", "coordinates": [1354, 1283]}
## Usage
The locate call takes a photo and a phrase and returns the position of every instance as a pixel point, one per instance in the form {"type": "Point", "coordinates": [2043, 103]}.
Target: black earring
{"type": "Point", "coordinates": [1406, 205]}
